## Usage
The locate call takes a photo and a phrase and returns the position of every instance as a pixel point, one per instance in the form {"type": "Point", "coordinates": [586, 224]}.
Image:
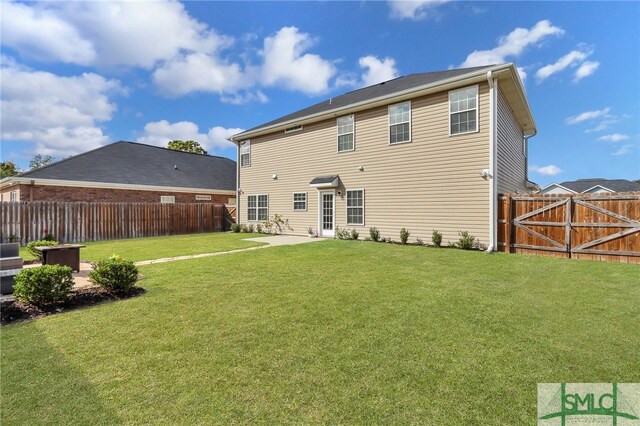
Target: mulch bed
{"type": "Point", "coordinates": [13, 311]}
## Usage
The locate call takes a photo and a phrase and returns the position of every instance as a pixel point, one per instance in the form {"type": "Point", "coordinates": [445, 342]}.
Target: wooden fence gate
{"type": "Point", "coordinates": [586, 226]}
{"type": "Point", "coordinates": [80, 221]}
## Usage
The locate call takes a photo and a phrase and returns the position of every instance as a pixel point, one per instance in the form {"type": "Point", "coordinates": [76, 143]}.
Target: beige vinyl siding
{"type": "Point", "coordinates": [431, 183]}
{"type": "Point", "coordinates": [512, 163]}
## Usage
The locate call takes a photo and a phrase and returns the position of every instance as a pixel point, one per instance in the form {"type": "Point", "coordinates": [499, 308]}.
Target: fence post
{"type": "Point", "coordinates": [507, 239]}
{"type": "Point", "coordinates": [567, 227]}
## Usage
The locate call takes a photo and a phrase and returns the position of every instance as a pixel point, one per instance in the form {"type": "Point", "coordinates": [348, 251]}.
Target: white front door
{"type": "Point", "coordinates": [326, 213]}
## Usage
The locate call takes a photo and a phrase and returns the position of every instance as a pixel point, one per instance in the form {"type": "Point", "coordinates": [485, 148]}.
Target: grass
{"type": "Point", "coordinates": [137, 249]}
{"type": "Point", "coordinates": [336, 332]}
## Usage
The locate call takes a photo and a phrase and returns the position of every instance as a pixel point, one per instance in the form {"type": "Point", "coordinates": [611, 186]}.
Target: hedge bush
{"type": "Point", "coordinates": [31, 247]}
{"type": "Point", "coordinates": [114, 274]}
{"type": "Point", "coordinates": [43, 285]}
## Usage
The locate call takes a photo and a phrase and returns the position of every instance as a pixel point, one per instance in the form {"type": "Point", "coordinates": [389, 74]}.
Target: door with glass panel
{"type": "Point", "coordinates": [327, 214]}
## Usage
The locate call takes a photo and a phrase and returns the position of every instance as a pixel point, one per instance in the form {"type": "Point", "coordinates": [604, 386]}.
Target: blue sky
{"type": "Point", "coordinates": [76, 76]}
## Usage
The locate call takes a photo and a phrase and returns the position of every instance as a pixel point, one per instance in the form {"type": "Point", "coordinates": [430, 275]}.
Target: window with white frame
{"type": "Point", "coordinates": [400, 123]}
{"type": "Point", "coordinates": [13, 196]}
{"type": "Point", "coordinates": [463, 110]}
{"type": "Point", "coordinates": [257, 207]}
{"type": "Point", "coordinates": [245, 154]}
{"type": "Point", "coordinates": [346, 134]}
{"type": "Point", "coordinates": [299, 201]}
{"type": "Point", "coordinates": [167, 199]}
{"type": "Point", "coordinates": [355, 207]}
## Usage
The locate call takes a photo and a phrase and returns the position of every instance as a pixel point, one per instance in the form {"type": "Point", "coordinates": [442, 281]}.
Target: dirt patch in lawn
{"type": "Point", "coordinates": [13, 311]}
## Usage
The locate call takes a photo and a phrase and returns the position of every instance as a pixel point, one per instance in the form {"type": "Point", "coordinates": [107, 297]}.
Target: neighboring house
{"type": "Point", "coordinates": [426, 151]}
{"type": "Point", "coordinates": [128, 172]}
{"type": "Point", "coordinates": [591, 186]}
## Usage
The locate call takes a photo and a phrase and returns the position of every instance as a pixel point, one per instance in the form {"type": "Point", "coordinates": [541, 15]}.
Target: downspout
{"type": "Point", "coordinates": [526, 138]}
{"type": "Point", "coordinates": [493, 188]}
{"type": "Point", "coordinates": [238, 183]}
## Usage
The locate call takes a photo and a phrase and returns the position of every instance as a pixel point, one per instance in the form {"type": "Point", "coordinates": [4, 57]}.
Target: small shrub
{"type": "Point", "coordinates": [48, 237]}
{"type": "Point", "coordinates": [404, 235]}
{"type": "Point", "coordinates": [13, 238]}
{"type": "Point", "coordinates": [114, 274]}
{"type": "Point", "coordinates": [31, 247]}
{"type": "Point", "coordinates": [235, 227]}
{"type": "Point", "coordinates": [43, 285]}
{"type": "Point", "coordinates": [259, 228]}
{"type": "Point", "coordinates": [466, 241]}
{"type": "Point", "coordinates": [244, 229]}
{"type": "Point", "coordinates": [250, 228]}
{"type": "Point", "coordinates": [436, 238]}
{"type": "Point", "coordinates": [342, 234]}
{"type": "Point", "coordinates": [354, 234]}
{"type": "Point", "coordinates": [374, 234]}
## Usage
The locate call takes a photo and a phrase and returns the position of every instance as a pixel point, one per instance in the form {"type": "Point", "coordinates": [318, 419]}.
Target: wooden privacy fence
{"type": "Point", "coordinates": [79, 221]}
{"type": "Point", "coordinates": [584, 226]}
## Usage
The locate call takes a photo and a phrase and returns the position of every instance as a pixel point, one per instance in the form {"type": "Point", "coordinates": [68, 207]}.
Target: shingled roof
{"type": "Point", "coordinates": [138, 164]}
{"type": "Point", "coordinates": [370, 93]}
{"type": "Point", "coordinates": [616, 185]}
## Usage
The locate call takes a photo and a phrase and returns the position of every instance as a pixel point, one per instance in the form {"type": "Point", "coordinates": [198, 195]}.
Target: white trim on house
{"type": "Point", "coordinates": [245, 149]}
{"type": "Point", "coordinates": [477, 109]}
{"type": "Point", "coordinates": [397, 97]}
{"type": "Point", "coordinates": [569, 191]}
{"type": "Point", "coordinates": [294, 129]}
{"type": "Point", "coordinates": [353, 132]}
{"type": "Point", "coordinates": [14, 180]}
{"type": "Point", "coordinates": [588, 191]}
{"type": "Point", "coordinates": [346, 207]}
{"type": "Point", "coordinates": [306, 201]}
{"type": "Point", "coordinates": [321, 232]}
{"type": "Point", "coordinates": [257, 207]}
{"type": "Point", "coordinates": [389, 123]}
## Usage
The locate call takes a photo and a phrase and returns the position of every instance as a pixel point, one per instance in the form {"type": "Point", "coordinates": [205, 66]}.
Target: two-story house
{"type": "Point", "coordinates": [428, 151]}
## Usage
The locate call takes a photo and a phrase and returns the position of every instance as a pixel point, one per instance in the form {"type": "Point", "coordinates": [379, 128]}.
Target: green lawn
{"type": "Point", "coordinates": [136, 249]}
{"type": "Point", "coordinates": [335, 332]}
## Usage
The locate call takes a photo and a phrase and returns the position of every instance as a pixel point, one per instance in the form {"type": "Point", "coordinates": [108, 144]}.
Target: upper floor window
{"type": "Point", "coordinates": [299, 201]}
{"type": "Point", "coordinates": [245, 154]}
{"type": "Point", "coordinates": [167, 199]}
{"type": "Point", "coordinates": [346, 134]}
{"type": "Point", "coordinates": [258, 207]}
{"type": "Point", "coordinates": [463, 110]}
{"type": "Point", "coordinates": [400, 123]}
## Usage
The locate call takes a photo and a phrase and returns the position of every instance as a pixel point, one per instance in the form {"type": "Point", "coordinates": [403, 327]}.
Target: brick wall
{"type": "Point", "coordinates": [66, 193]}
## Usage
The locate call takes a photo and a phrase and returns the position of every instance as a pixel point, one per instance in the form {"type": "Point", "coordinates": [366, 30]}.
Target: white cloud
{"type": "Point", "coordinates": [614, 137]}
{"type": "Point", "coordinates": [549, 170]}
{"type": "Point", "coordinates": [623, 150]}
{"type": "Point", "coordinates": [377, 70]}
{"type": "Point", "coordinates": [588, 115]}
{"type": "Point", "coordinates": [59, 114]}
{"type": "Point", "coordinates": [133, 33]}
{"type": "Point", "coordinates": [513, 44]}
{"type": "Point", "coordinates": [586, 69]}
{"type": "Point", "coordinates": [199, 72]}
{"type": "Point", "coordinates": [571, 59]}
{"type": "Point", "coordinates": [39, 33]}
{"type": "Point", "coordinates": [286, 64]}
{"type": "Point", "coordinates": [161, 132]}
{"type": "Point", "coordinates": [415, 10]}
